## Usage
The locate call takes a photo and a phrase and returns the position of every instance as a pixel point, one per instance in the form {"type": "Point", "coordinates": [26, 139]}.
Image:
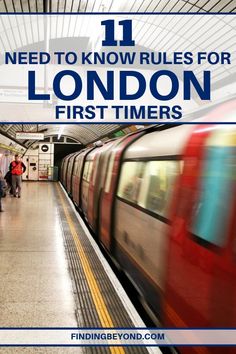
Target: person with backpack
{"type": "Point", "coordinates": [17, 168]}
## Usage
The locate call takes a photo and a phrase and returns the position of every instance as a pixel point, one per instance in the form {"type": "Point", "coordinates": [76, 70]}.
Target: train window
{"type": "Point", "coordinates": [131, 179]}
{"type": "Point", "coordinates": [158, 184]}
{"type": "Point", "coordinates": [211, 211]}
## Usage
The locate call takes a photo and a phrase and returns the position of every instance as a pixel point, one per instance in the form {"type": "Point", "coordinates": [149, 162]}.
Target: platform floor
{"type": "Point", "coordinates": [50, 275]}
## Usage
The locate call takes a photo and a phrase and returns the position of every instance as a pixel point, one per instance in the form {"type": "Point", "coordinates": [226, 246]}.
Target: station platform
{"type": "Point", "coordinates": [52, 273]}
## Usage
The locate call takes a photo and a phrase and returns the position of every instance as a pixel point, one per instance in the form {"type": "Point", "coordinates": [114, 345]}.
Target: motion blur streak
{"type": "Point", "coordinates": [162, 203]}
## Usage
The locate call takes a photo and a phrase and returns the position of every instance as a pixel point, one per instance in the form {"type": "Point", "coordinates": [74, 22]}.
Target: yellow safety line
{"type": "Point", "coordinates": [99, 303]}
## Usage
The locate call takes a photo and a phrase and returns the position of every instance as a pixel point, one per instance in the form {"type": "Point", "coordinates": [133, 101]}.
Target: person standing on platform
{"type": "Point", "coordinates": [2, 189]}
{"type": "Point", "coordinates": [8, 179]}
{"type": "Point", "coordinates": [17, 168]}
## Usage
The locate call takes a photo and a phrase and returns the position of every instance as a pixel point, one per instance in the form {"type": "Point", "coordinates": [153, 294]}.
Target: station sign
{"type": "Point", "coordinates": [29, 136]}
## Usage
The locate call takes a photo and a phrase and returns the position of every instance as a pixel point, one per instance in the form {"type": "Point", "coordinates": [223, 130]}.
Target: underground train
{"type": "Point", "coordinates": [162, 203]}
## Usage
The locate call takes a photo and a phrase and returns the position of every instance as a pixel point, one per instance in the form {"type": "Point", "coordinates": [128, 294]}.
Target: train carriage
{"type": "Point", "coordinates": [200, 280]}
{"type": "Point", "coordinates": [70, 172]}
{"type": "Point", "coordinates": [150, 167]}
{"type": "Point", "coordinates": [100, 161]}
{"type": "Point", "coordinates": [86, 179]}
{"type": "Point", "coordinates": [107, 200]}
{"type": "Point", "coordinates": [64, 169]}
{"type": "Point", "coordinates": [77, 176]}
{"type": "Point", "coordinates": [164, 204]}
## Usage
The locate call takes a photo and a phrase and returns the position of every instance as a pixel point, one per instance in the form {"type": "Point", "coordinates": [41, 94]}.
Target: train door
{"type": "Point", "coordinates": [107, 199]}
{"type": "Point", "coordinates": [78, 177]}
{"type": "Point", "coordinates": [75, 179]}
{"type": "Point", "coordinates": [65, 168]}
{"type": "Point", "coordinates": [187, 288]}
{"type": "Point", "coordinates": [70, 170]}
{"type": "Point", "coordinates": [86, 178]}
{"type": "Point", "coordinates": [222, 311]}
{"type": "Point", "coordinates": [97, 181]}
{"type": "Point", "coordinates": [93, 189]}
{"type": "Point", "coordinates": [196, 294]}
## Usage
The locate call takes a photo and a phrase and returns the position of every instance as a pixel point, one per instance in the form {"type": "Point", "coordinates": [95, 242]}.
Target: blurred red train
{"type": "Point", "coordinates": [162, 203]}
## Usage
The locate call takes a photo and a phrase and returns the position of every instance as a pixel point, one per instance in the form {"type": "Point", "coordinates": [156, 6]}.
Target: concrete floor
{"type": "Point", "coordinates": [35, 285]}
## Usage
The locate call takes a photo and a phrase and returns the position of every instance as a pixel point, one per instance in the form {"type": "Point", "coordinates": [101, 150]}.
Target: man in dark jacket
{"type": "Point", "coordinates": [17, 168]}
{"type": "Point", "coordinates": [2, 187]}
{"type": "Point", "coordinates": [8, 179]}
